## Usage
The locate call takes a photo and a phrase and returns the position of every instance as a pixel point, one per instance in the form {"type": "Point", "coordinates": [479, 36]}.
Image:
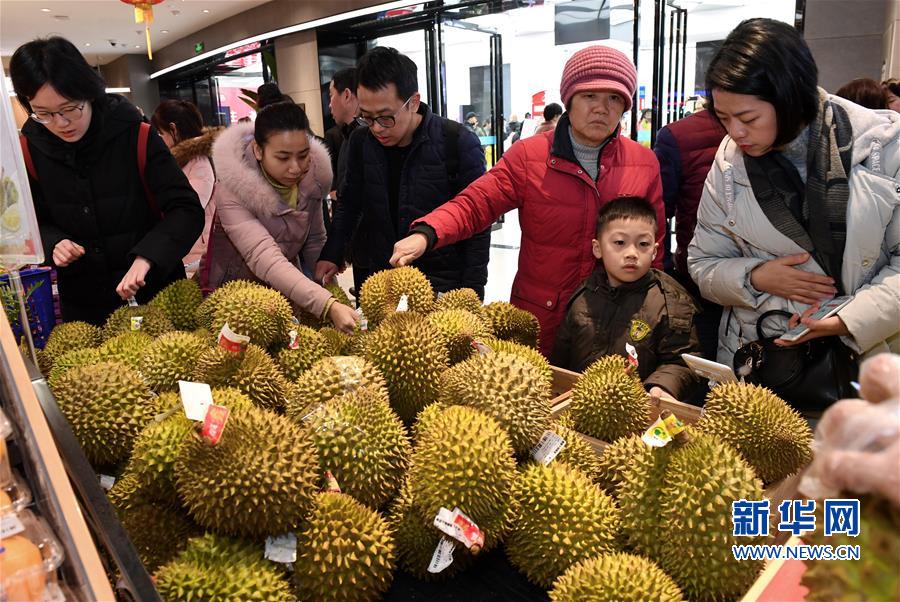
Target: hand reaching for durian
{"type": "Point", "coordinates": [344, 318]}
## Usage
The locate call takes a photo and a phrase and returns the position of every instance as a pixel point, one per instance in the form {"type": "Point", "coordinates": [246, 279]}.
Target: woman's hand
{"type": "Point", "coordinates": [326, 271]}
{"type": "Point", "coordinates": [828, 327]}
{"type": "Point", "coordinates": [134, 278]}
{"type": "Point", "coordinates": [409, 249]}
{"type": "Point", "coordinates": [65, 252]}
{"type": "Point", "coordinates": [343, 317]}
{"type": "Point", "coordinates": [658, 394]}
{"type": "Point", "coordinates": [778, 277]}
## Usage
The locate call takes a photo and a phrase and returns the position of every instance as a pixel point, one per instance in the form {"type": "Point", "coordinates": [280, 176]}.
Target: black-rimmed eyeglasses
{"type": "Point", "coordinates": [385, 121]}
{"type": "Point", "coordinates": [67, 113]}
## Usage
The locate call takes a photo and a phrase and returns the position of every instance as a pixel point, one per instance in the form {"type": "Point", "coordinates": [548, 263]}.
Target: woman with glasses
{"type": "Point", "coordinates": [108, 241]}
{"type": "Point", "coordinates": [272, 177]}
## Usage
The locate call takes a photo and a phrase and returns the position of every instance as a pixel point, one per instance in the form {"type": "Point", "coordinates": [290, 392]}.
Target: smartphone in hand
{"type": "Point", "coordinates": [828, 309]}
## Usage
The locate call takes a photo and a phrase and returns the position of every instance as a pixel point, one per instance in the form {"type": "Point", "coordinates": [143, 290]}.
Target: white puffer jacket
{"type": "Point", "coordinates": [733, 236]}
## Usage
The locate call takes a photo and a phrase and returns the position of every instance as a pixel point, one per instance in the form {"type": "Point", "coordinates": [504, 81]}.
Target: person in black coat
{"type": "Point", "coordinates": [106, 238]}
{"type": "Point", "coordinates": [398, 170]}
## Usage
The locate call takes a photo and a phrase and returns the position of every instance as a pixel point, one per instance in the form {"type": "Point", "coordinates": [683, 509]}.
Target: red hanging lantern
{"type": "Point", "coordinates": [143, 13]}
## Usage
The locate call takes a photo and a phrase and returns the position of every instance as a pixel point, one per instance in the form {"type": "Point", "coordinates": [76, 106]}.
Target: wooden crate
{"type": "Point", "coordinates": [563, 381]}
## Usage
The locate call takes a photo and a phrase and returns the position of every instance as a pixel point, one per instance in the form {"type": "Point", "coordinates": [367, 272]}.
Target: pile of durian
{"type": "Point", "coordinates": [438, 406]}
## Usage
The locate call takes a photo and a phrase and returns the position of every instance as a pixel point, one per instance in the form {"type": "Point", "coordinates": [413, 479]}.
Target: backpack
{"type": "Point", "coordinates": [143, 137]}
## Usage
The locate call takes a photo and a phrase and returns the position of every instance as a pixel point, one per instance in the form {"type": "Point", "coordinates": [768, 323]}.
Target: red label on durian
{"type": "Point", "coordinates": [214, 423]}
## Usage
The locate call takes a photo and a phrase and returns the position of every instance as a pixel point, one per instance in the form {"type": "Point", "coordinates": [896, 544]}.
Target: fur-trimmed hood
{"type": "Point", "coordinates": [238, 171]}
{"type": "Point", "coordinates": [201, 146]}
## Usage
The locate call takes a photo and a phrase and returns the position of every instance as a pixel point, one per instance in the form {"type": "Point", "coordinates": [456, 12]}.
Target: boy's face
{"type": "Point", "coordinates": [627, 248]}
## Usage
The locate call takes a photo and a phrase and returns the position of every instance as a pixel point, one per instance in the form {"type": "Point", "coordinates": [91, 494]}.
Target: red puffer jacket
{"type": "Point", "coordinates": [558, 204]}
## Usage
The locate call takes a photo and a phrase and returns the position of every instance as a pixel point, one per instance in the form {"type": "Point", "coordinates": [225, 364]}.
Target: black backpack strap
{"type": "Point", "coordinates": [451, 154]}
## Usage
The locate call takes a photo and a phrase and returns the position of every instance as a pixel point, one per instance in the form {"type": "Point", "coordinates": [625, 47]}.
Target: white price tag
{"type": "Point", "coordinates": [196, 399]}
{"type": "Point", "coordinates": [548, 447]}
{"type": "Point", "coordinates": [10, 525]}
{"type": "Point", "coordinates": [442, 557]}
{"type": "Point", "coordinates": [460, 527]}
{"type": "Point", "coordinates": [632, 355]}
{"type": "Point", "coordinates": [132, 302]}
{"type": "Point", "coordinates": [439, 295]}
{"type": "Point", "coordinates": [282, 549]}
{"type": "Point", "coordinates": [363, 321]}
{"type": "Point", "coordinates": [481, 348]}
{"type": "Point", "coordinates": [107, 482]}
{"type": "Point", "coordinates": [403, 304]}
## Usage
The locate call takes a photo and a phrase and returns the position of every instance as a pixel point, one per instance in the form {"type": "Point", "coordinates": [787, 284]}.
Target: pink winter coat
{"type": "Point", "coordinates": [256, 235]}
{"type": "Point", "coordinates": [193, 157]}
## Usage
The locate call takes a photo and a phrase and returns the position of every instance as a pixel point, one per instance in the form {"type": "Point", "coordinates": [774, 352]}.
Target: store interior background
{"type": "Point", "coordinates": [199, 57]}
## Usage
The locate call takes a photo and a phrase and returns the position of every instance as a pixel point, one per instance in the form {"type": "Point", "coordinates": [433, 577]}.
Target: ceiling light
{"type": "Point", "coordinates": [206, 10]}
{"type": "Point", "coordinates": [137, 45]}
{"type": "Point", "coordinates": [118, 90]}
{"type": "Point", "coordinates": [87, 43]}
{"type": "Point", "coordinates": [164, 31]}
{"type": "Point", "coordinates": [45, 10]}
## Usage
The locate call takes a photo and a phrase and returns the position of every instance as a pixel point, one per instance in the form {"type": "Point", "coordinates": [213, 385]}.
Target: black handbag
{"type": "Point", "coordinates": [810, 376]}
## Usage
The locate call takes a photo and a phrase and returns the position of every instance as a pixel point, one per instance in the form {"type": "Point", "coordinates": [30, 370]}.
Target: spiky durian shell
{"type": "Point", "coordinates": [410, 353]}
{"type": "Point", "coordinates": [618, 577]}
{"type": "Point", "coordinates": [336, 342]}
{"type": "Point", "coordinates": [527, 353]}
{"type": "Point", "coordinates": [346, 552]}
{"type": "Point", "coordinates": [363, 443]}
{"type": "Point", "coordinates": [179, 301]}
{"type": "Point", "coordinates": [381, 292]}
{"type": "Point", "coordinates": [505, 387]}
{"type": "Point", "coordinates": [332, 377]}
{"type": "Point", "coordinates": [773, 437]}
{"type": "Point", "coordinates": [72, 359]}
{"type": "Point", "coordinates": [559, 518]}
{"type": "Point", "coordinates": [307, 319]}
{"type": "Point", "coordinates": [218, 568]}
{"type": "Point", "coordinates": [609, 402]}
{"type": "Point", "coordinates": [154, 321]}
{"type": "Point", "coordinates": [128, 347]}
{"type": "Point", "coordinates": [258, 480]}
{"type": "Point", "coordinates": [158, 531]}
{"type": "Point", "coordinates": [460, 328]}
{"type": "Point", "coordinates": [511, 323]}
{"type": "Point", "coordinates": [459, 298]}
{"type": "Point", "coordinates": [170, 358]}
{"type": "Point", "coordinates": [614, 460]}
{"type": "Point", "coordinates": [311, 347]}
{"type": "Point", "coordinates": [66, 337]}
{"type": "Point", "coordinates": [251, 371]}
{"type": "Point", "coordinates": [206, 311]}
{"type": "Point", "coordinates": [638, 486]}
{"type": "Point", "coordinates": [464, 459]}
{"type": "Point", "coordinates": [425, 418]}
{"type": "Point", "coordinates": [107, 405]}
{"type": "Point", "coordinates": [261, 313]}
{"type": "Point", "coordinates": [577, 452]}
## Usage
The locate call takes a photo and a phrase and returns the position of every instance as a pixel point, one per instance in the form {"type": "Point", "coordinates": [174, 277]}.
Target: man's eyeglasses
{"type": "Point", "coordinates": [67, 113]}
{"type": "Point", "coordinates": [385, 121]}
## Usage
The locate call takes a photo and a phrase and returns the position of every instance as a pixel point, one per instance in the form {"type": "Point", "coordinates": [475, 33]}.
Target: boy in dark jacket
{"type": "Point", "coordinates": [629, 309]}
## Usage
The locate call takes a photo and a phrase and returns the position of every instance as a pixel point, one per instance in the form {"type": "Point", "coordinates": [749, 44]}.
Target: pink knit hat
{"type": "Point", "coordinates": [598, 68]}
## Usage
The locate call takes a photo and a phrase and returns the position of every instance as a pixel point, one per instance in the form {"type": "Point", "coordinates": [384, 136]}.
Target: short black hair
{"type": "Point", "coordinates": [55, 61]}
{"type": "Point", "coordinates": [865, 92]}
{"type": "Point", "coordinates": [277, 113]}
{"type": "Point", "coordinates": [382, 66]}
{"type": "Point", "coordinates": [770, 60]}
{"type": "Point", "coordinates": [625, 207]}
{"type": "Point", "coordinates": [344, 79]}
{"type": "Point", "coordinates": [552, 111]}
{"type": "Point", "coordinates": [185, 116]}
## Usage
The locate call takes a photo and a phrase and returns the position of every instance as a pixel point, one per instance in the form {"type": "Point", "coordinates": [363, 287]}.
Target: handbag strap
{"type": "Point", "coordinates": [765, 316]}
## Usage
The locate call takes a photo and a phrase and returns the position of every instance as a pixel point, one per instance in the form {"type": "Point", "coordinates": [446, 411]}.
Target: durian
{"type": "Point", "coordinates": [332, 377]}
{"type": "Point", "coordinates": [251, 371]}
{"type": "Point", "coordinates": [345, 552]}
{"type": "Point", "coordinates": [460, 298]}
{"type": "Point", "coordinates": [72, 359]}
{"type": "Point", "coordinates": [258, 480]}
{"type": "Point", "coordinates": [308, 319]}
{"type": "Point", "coordinates": [773, 437]}
{"type": "Point", "coordinates": [336, 342]}
{"type": "Point", "coordinates": [505, 387]}
{"type": "Point", "coordinates": [577, 452]}
{"type": "Point", "coordinates": [170, 358]}
{"type": "Point", "coordinates": [261, 313]}
{"type": "Point", "coordinates": [311, 348]}
{"type": "Point", "coordinates": [615, 459]}
{"type": "Point", "coordinates": [179, 301]}
{"type": "Point", "coordinates": [362, 442]}
{"type": "Point", "coordinates": [107, 405]}
{"type": "Point", "coordinates": [560, 518]}
{"type": "Point", "coordinates": [381, 293]}
{"type": "Point", "coordinates": [206, 311]}
{"type": "Point", "coordinates": [153, 321]}
{"type": "Point", "coordinates": [617, 577]}
{"type": "Point", "coordinates": [128, 348]}
{"type": "Point", "coordinates": [512, 324]}
{"type": "Point", "coordinates": [460, 329]}
{"type": "Point", "coordinates": [609, 402]}
{"type": "Point", "coordinates": [411, 355]}
{"type": "Point", "coordinates": [158, 531]}
{"type": "Point", "coordinates": [218, 568]}
{"type": "Point", "coordinates": [66, 337]}
{"type": "Point", "coordinates": [529, 354]}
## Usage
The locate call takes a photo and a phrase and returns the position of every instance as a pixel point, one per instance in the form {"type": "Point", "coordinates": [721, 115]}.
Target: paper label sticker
{"type": "Point", "coordinates": [460, 527]}
{"type": "Point", "coordinates": [231, 340]}
{"type": "Point", "coordinates": [481, 347]}
{"type": "Point", "coordinates": [132, 302]}
{"type": "Point", "coordinates": [137, 322]}
{"type": "Point", "coordinates": [195, 398]}
{"type": "Point", "coordinates": [442, 557]}
{"type": "Point", "coordinates": [632, 356]}
{"type": "Point", "coordinates": [363, 321]}
{"type": "Point", "coordinates": [331, 484]}
{"type": "Point", "coordinates": [403, 304]}
{"type": "Point", "coordinates": [548, 448]}
{"type": "Point", "coordinates": [214, 423]}
{"type": "Point", "coordinates": [439, 295]}
{"type": "Point", "coordinates": [294, 342]}
{"type": "Point", "coordinates": [663, 431]}
{"type": "Point", "coordinates": [282, 549]}
{"type": "Point", "coordinates": [10, 525]}
{"type": "Point", "coordinates": [107, 481]}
